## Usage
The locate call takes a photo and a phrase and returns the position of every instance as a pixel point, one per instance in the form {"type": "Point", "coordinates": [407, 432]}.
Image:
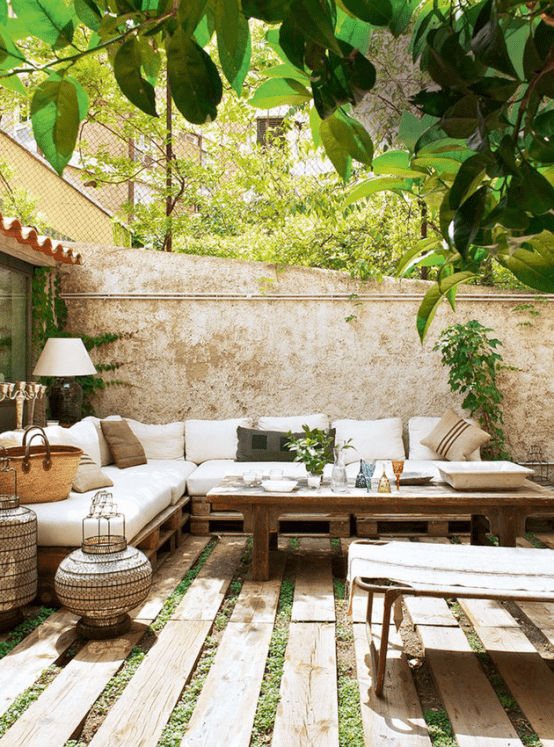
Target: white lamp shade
{"type": "Point", "coordinates": [64, 356]}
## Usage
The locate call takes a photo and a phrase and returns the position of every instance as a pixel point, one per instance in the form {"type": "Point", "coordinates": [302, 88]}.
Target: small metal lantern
{"type": "Point", "coordinates": [18, 548]}
{"type": "Point", "coordinates": [105, 578]}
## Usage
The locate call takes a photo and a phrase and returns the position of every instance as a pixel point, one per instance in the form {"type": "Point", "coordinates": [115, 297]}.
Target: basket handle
{"type": "Point", "coordinates": [47, 461]}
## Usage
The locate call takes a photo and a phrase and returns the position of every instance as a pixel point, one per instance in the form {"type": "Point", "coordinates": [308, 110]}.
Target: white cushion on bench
{"type": "Point", "coordinates": [421, 566]}
{"type": "Point", "coordinates": [140, 493]}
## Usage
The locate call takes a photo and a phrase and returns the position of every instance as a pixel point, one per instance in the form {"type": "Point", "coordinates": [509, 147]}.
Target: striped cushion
{"type": "Point", "coordinates": [454, 438]}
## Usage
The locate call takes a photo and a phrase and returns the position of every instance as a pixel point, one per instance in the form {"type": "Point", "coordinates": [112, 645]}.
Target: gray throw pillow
{"type": "Point", "coordinates": [263, 446]}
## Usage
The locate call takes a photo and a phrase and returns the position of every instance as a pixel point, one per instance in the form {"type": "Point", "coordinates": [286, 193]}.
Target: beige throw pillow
{"type": "Point", "coordinates": [89, 476]}
{"type": "Point", "coordinates": [126, 449]}
{"type": "Point", "coordinates": [454, 438]}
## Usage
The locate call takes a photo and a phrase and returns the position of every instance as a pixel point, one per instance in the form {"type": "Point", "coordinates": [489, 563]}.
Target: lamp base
{"type": "Point", "coordinates": [66, 400]}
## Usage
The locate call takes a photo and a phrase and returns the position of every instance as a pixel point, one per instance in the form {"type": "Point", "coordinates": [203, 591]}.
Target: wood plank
{"type": "Point", "coordinates": [97, 662]}
{"type": "Point", "coordinates": [487, 613]}
{"type": "Point", "coordinates": [432, 611]}
{"type": "Point", "coordinates": [145, 706]}
{"type": "Point", "coordinates": [44, 646]}
{"type": "Point", "coordinates": [477, 716]}
{"type": "Point", "coordinates": [308, 710]}
{"type": "Point", "coordinates": [526, 674]}
{"type": "Point", "coordinates": [396, 719]}
{"type": "Point", "coordinates": [205, 595]}
{"type": "Point", "coordinates": [314, 598]}
{"type": "Point", "coordinates": [225, 710]}
{"type": "Point", "coordinates": [542, 615]}
{"type": "Point", "coordinates": [258, 600]}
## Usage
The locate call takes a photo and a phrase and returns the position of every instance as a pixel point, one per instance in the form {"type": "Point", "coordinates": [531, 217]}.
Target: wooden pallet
{"type": "Point", "coordinates": [375, 525]}
{"type": "Point", "coordinates": [159, 538]}
{"type": "Point", "coordinates": [290, 525]}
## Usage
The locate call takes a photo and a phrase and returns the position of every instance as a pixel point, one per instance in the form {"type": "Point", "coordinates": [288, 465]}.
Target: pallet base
{"type": "Point", "coordinates": [290, 525]}
{"type": "Point", "coordinates": [376, 525]}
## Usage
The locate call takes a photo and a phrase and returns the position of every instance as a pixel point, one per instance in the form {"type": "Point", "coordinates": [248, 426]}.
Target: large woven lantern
{"type": "Point", "coordinates": [105, 578]}
{"type": "Point", "coordinates": [18, 549]}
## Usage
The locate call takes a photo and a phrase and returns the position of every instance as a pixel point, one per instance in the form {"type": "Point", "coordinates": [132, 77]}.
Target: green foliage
{"type": "Point", "coordinates": [440, 728]}
{"type": "Point", "coordinates": [313, 449]}
{"type": "Point", "coordinates": [49, 317]}
{"type": "Point", "coordinates": [474, 364]}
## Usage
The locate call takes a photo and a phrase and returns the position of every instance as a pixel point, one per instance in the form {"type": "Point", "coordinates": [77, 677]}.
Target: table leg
{"type": "Point", "coordinates": [507, 524]}
{"type": "Point", "coordinates": [479, 529]}
{"type": "Point", "coordinates": [260, 543]}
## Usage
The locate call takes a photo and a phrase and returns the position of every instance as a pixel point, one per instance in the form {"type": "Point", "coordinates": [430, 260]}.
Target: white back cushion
{"type": "Point", "coordinates": [212, 439]}
{"type": "Point", "coordinates": [160, 441]}
{"type": "Point", "coordinates": [371, 439]}
{"type": "Point", "coordinates": [294, 423]}
{"type": "Point", "coordinates": [105, 453]}
{"type": "Point", "coordinates": [421, 427]}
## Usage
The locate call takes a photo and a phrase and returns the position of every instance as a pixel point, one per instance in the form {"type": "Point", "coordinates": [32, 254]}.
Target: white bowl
{"type": "Point", "coordinates": [279, 486]}
{"type": "Point", "coordinates": [483, 475]}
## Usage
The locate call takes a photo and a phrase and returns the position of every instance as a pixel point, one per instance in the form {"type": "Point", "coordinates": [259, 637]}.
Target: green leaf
{"type": "Point", "coordinates": [138, 90]}
{"type": "Point", "coordinates": [393, 162]}
{"type": "Point", "coordinates": [55, 115]}
{"type": "Point", "coordinates": [401, 14]}
{"type": "Point", "coordinates": [331, 132]}
{"type": "Point", "coordinates": [3, 11]}
{"type": "Point", "coordinates": [10, 56]}
{"type": "Point", "coordinates": [488, 42]}
{"type": "Point", "coordinates": [543, 124]}
{"type": "Point", "coordinates": [286, 70]}
{"type": "Point", "coordinates": [193, 78]}
{"type": "Point", "coordinates": [379, 184]}
{"type": "Point", "coordinates": [411, 128]}
{"type": "Point", "coordinates": [270, 11]}
{"type": "Point", "coordinates": [315, 123]}
{"type": "Point", "coordinates": [376, 12]}
{"type": "Point", "coordinates": [190, 13]}
{"type": "Point", "coordinates": [534, 268]}
{"type": "Point", "coordinates": [233, 44]}
{"type": "Point", "coordinates": [150, 60]}
{"type": "Point", "coordinates": [278, 92]}
{"type": "Point", "coordinates": [88, 12]}
{"type": "Point", "coordinates": [541, 150]}
{"type": "Point", "coordinates": [316, 23]}
{"type": "Point", "coordinates": [354, 136]}
{"type": "Point", "coordinates": [533, 192]}
{"type": "Point", "coordinates": [14, 84]}
{"type": "Point", "coordinates": [411, 258]}
{"type": "Point", "coordinates": [434, 296]}
{"type": "Point", "coordinates": [205, 30]}
{"type": "Point", "coordinates": [292, 43]}
{"type": "Point", "coordinates": [467, 220]}
{"type": "Point", "coordinates": [48, 20]}
{"type": "Point", "coordinates": [468, 178]}
{"type": "Point", "coordinates": [353, 31]}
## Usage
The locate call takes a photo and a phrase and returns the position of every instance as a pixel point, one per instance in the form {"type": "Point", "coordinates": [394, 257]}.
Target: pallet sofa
{"type": "Point", "coordinates": [165, 496]}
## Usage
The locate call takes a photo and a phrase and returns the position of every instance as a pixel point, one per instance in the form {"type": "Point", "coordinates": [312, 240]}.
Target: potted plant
{"type": "Point", "coordinates": [315, 449]}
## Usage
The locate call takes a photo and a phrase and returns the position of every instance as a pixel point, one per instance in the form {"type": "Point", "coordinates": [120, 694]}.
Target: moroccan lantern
{"type": "Point", "coordinates": [105, 578]}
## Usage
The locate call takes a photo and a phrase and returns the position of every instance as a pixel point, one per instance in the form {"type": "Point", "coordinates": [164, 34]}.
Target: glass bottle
{"type": "Point", "coordinates": [360, 478]}
{"type": "Point", "coordinates": [339, 482]}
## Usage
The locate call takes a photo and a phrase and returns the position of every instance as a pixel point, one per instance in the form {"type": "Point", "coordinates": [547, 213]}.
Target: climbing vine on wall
{"type": "Point", "coordinates": [49, 318]}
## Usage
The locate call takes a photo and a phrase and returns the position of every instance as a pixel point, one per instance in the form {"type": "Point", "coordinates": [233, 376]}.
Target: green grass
{"type": "Point", "coordinates": [440, 729]}
{"type": "Point", "coordinates": [268, 701]}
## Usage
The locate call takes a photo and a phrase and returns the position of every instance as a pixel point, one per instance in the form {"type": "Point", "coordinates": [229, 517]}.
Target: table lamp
{"type": "Point", "coordinates": [65, 358]}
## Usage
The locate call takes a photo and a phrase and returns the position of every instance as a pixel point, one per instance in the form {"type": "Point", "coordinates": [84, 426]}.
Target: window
{"type": "Point", "coordinates": [15, 300]}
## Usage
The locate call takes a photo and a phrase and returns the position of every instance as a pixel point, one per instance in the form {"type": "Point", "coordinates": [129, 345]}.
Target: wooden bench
{"type": "Point", "coordinates": [464, 571]}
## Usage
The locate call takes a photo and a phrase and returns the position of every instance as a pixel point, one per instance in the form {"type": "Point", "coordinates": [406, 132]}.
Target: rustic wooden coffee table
{"type": "Point", "coordinates": [506, 511]}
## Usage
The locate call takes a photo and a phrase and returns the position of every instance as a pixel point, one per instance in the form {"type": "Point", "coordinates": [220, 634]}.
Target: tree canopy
{"type": "Point", "coordinates": [480, 155]}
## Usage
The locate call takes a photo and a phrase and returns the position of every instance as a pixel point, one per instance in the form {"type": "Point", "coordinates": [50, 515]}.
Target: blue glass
{"type": "Point", "coordinates": [368, 468]}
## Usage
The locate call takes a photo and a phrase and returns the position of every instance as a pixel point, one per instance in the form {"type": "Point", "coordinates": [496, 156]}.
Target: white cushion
{"type": "Point", "coordinates": [212, 439]}
{"type": "Point", "coordinates": [294, 423]}
{"type": "Point", "coordinates": [105, 453]}
{"type": "Point", "coordinates": [160, 441]}
{"type": "Point", "coordinates": [421, 427]}
{"type": "Point", "coordinates": [371, 439]}
{"type": "Point", "coordinates": [85, 435]}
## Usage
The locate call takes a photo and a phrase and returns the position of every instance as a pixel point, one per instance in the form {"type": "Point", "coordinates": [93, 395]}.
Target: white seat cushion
{"type": "Point", "coordinates": [210, 473]}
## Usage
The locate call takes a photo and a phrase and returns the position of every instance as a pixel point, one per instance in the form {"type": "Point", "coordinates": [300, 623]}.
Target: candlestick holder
{"type": "Point", "coordinates": [21, 392]}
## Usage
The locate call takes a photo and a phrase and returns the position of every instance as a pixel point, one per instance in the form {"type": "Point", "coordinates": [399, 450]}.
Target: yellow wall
{"type": "Point", "coordinates": [67, 211]}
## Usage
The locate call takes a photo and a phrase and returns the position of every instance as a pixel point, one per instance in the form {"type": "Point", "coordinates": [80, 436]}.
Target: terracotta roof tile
{"type": "Point", "coordinates": [28, 235]}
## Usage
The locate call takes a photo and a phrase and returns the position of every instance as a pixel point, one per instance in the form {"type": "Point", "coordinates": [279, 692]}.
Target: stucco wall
{"type": "Point", "coordinates": [210, 338]}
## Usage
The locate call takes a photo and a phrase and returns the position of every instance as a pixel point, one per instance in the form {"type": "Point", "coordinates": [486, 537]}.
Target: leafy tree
{"type": "Point", "coordinates": [482, 164]}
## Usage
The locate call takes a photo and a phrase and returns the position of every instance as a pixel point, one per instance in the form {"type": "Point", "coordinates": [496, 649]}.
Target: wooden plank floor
{"type": "Point", "coordinates": [321, 644]}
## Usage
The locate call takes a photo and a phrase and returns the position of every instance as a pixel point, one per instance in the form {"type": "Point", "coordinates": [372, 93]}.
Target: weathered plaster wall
{"type": "Point", "coordinates": [210, 338]}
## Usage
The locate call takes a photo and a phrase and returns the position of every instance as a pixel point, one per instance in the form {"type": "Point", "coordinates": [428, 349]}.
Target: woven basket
{"type": "Point", "coordinates": [44, 473]}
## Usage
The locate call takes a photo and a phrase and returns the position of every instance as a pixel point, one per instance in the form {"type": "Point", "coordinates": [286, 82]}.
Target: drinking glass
{"type": "Point", "coordinates": [397, 468]}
